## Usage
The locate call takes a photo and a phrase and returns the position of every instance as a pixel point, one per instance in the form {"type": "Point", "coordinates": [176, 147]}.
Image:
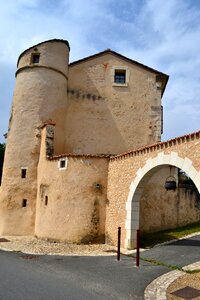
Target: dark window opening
{"type": "Point", "coordinates": [120, 76]}
{"type": "Point", "coordinates": [161, 119]}
{"type": "Point", "coordinates": [46, 200]}
{"type": "Point", "coordinates": [23, 173]}
{"type": "Point", "coordinates": [24, 202]}
{"type": "Point", "coordinates": [35, 58]}
{"type": "Point", "coordinates": [62, 164]}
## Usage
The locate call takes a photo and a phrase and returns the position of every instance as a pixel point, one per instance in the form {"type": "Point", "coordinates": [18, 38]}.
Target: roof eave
{"type": "Point", "coordinates": [109, 51]}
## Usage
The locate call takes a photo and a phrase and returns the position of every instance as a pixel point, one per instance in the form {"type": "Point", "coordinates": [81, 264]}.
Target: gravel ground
{"type": "Point", "coordinates": [27, 244]}
{"type": "Point", "coordinates": [191, 280]}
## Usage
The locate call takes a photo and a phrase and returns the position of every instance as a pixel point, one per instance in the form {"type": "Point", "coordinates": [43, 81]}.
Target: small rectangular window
{"type": "Point", "coordinates": [62, 164]}
{"type": "Point", "coordinates": [24, 202]}
{"type": "Point", "coordinates": [120, 76]}
{"type": "Point", "coordinates": [35, 58]}
{"type": "Point", "coordinates": [23, 173]}
{"type": "Point", "coordinates": [46, 200]}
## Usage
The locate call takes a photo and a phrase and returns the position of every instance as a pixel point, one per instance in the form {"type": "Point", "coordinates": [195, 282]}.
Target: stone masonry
{"type": "Point", "coordinates": [129, 172]}
{"type": "Point", "coordinates": [78, 162]}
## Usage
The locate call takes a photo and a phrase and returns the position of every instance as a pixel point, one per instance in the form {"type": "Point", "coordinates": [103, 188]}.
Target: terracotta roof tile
{"type": "Point", "coordinates": [55, 157]}
{"type": "Point", "coordinates": [186, 136]}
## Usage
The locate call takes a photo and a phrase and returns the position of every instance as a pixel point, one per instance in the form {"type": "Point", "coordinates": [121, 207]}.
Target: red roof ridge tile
{"type": "Point", "coordinates": [156, 144]}
{"type": "Point", "coordinates": [54, 157]}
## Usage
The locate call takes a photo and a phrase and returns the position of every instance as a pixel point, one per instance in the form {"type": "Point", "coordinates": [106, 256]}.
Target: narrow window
{"type": "Point", "coordinates": [35, 58]}
{"type": "Point", "coordinates": [62, 164]}
{"type": "Point", "coordinates": [120, 76]}
{"type": "Point", "coordinates": [161, 119]}
{"type": "Point", "coordinates": [23, 173]}
{"type": "Point", "coordinates": [46, 200]}
{"type": "Point", "coordinates": [24, 202]}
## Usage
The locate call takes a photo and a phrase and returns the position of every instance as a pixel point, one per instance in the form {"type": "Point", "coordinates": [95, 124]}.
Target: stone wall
{"type": "Point", "coordinates": [129, 174]}
{"type": "Point", "coordinates": [161, 209]}
{"type": "Point", "coordinates": [71, 200]}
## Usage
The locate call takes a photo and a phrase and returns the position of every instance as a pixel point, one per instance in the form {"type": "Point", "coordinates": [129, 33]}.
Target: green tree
{"type": "Point", "coordinates": [2, 151]}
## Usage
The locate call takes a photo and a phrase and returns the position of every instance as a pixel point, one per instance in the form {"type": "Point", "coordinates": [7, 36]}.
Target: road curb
{"type": "Point", "coordinates": [157, 289]}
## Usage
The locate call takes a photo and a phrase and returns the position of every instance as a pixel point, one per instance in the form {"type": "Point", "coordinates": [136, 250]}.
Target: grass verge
{"type": "Point", "coordinates": [151, 239]}
{"type": "Point", "coordinates": [171, 267]}
{"type": "Point", "coordinates": [159, 263]}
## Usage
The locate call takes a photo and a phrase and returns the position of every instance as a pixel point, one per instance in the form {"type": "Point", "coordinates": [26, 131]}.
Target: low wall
{"type": "Point", "coordinates": [128, 188]}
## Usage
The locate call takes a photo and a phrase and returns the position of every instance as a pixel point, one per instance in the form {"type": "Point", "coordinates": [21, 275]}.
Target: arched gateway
{"type": "Point", "coordinates": [137, 186]}
{"type": "Point", "coordinates": [129, 176]}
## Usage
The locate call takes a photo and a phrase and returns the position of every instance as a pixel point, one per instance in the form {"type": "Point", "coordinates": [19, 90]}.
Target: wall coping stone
{"type": "Point", "coordinates": [157, 146]}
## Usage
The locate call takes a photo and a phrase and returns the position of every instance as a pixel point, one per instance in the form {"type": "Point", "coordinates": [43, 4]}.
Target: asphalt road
{"type": "Point", "coordinates": [85, 278]}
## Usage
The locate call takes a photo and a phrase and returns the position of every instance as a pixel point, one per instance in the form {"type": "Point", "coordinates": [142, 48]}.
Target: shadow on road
{"type": "Point", "coordinates": [186, 242]}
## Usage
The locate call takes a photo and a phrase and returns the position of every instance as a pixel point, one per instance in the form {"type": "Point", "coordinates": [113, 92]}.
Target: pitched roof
{"type": "Point", "coordinates": [163, 76]}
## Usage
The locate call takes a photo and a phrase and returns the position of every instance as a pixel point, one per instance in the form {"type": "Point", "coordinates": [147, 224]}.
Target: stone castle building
{"type": "Point", "coordinates": [68, 127]}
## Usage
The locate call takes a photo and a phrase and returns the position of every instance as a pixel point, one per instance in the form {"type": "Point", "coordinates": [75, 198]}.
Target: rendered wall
{"type": "Point", "coordinates": [161, 209]}
{"type": "Point", "coordinates": [102, 118]}
{"type": "Point", "coordinates": [76, 206]}
{"type": "Point", "coordinates": [40, 94]}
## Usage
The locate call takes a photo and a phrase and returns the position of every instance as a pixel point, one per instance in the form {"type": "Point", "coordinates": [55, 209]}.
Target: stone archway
{"type": "Point", "coordinates": [137, 186]}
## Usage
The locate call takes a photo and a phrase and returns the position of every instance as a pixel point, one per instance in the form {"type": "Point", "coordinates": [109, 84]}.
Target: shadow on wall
{"type": "Point", "coordinates": [102, 118]}
{"type": "Point", "coordinates": [161, 209]}
{"type": "Point", "coordinates": [90, 126]}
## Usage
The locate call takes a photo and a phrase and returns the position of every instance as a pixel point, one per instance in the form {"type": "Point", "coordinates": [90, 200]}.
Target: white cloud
{"type": "Point", "coordinates": [171, 43]}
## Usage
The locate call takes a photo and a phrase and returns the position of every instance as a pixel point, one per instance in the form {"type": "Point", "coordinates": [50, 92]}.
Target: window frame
{"type": "Point", "coordinates": [34, 55]}
{"type": "Point", "coordinates": [60, 167]}
{"type": "Point", "coordinates": [120, 76]}
{"type": "Point", "coordinates": [118, 69]}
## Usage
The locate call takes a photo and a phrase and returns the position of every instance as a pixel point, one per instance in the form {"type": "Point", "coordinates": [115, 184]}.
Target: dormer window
{"type": "Point", "coordinates": [35, 58]}
{"type": "Point", "coordinates": [120, 76]}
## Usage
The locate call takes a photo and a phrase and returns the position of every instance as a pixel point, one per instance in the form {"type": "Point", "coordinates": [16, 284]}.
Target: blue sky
{"type": "Point", "coordinates": [164, 35]}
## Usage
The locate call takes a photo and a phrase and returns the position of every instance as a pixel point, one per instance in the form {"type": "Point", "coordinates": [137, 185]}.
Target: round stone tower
{"type": "Point", "coordinates": [40, 96]}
